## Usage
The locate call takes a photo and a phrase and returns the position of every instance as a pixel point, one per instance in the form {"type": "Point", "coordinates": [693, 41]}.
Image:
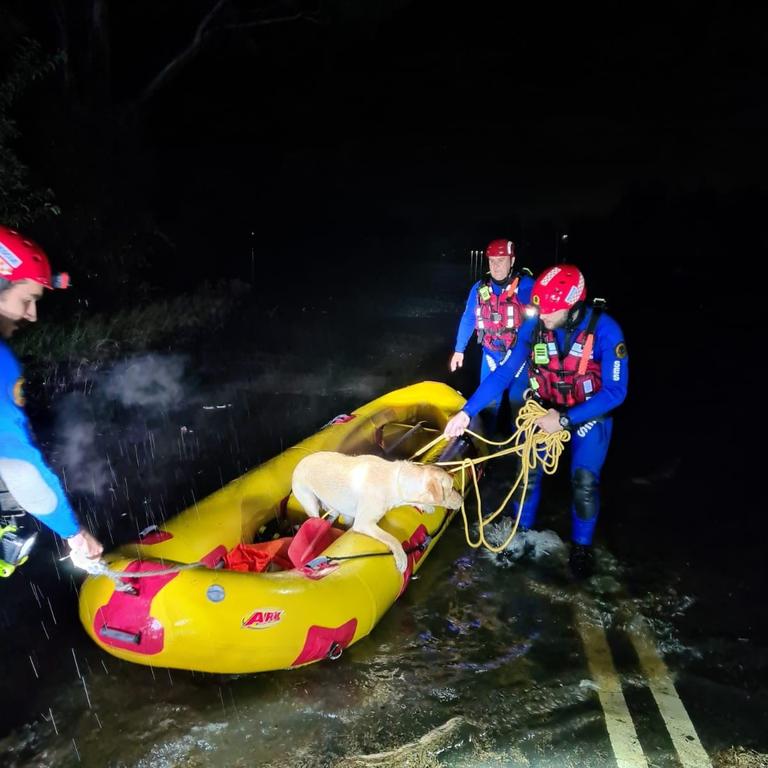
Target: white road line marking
{"type": "Point", "coordinates": [621, 730]}
{"type": "Point", "coordinates": [684, 737]}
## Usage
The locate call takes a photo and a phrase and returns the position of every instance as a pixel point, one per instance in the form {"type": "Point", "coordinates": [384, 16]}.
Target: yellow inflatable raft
{"type": "Point", "coordinates": [212, 619]}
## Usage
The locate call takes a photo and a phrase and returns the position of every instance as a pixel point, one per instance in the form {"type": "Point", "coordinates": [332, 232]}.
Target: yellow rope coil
{"type": "Point", "coordinates": [533, 447]}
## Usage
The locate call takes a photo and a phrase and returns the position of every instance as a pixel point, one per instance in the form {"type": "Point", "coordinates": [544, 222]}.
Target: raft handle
{"type": "Point", "coordinates": [119, 634]}
{"type": "Point", "coordinates": [335, 651]}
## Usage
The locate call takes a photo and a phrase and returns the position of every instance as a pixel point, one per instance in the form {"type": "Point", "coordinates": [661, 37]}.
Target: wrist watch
{"type": "Point", "coordinates": [565, 421]}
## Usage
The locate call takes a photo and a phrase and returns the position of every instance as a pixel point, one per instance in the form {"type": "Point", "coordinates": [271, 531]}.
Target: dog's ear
{"type": "Point", "coordinates": [434, 490]}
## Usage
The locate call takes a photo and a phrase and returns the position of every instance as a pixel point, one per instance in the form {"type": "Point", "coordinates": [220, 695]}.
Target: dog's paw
{"type": "Point", "coordinates": [401, 560]}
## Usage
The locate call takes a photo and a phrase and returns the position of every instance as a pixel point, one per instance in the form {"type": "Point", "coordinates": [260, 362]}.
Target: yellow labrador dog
{"type": "Point", "coordinates": [363, 488]}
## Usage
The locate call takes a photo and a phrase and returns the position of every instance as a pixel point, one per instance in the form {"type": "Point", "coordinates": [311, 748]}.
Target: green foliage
{"type": "Point", "coordinates": [91, 338]}
{"type": "Point", "coordinates": [20, 203]}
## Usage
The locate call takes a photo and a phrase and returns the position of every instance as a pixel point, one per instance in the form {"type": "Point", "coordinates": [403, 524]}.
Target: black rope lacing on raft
{"type": "Point", "coordinates": [418, 548]}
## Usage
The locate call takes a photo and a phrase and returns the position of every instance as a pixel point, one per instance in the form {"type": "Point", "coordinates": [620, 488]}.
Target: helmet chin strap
{"type": "Point", "coordinates": [574, 315]}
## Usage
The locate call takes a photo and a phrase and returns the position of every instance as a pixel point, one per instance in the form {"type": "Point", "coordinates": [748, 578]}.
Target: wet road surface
{"type": "Point", "coordinates": [660, 659]}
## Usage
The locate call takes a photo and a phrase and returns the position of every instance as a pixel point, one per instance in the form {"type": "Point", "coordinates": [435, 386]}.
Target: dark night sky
{"type": "Point", "coordinates": [430, 126]}
{"type": "Point", "coordinates": [451, 126]}
{"type": "Point", "coordinates": [552, 112]}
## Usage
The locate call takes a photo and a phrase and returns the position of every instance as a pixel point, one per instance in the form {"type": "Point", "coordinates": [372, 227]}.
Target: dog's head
{"type": "Point", "coordinates": [435, 489]}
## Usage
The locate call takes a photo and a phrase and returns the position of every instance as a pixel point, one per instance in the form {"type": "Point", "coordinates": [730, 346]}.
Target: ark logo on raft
{"type": "Point", "coordinates": [262, 618]}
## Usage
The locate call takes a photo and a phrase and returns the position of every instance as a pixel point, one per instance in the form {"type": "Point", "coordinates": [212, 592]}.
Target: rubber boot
{"type": "Point", "coordinates": [586, 505]}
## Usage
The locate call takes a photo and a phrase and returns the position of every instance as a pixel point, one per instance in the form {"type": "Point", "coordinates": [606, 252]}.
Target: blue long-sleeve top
{"type": "Point", "coordinates": [467, 322]}
{"type": "Point", "coordinates": [609, 350]}
{"type": "Point", "coordinates": [16, 444]}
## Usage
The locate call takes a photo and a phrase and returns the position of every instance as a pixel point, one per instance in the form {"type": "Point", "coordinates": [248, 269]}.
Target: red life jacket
{"type": "Point", "coordinates": [498, 318]}
{"type": "Point", "coordinates": [572, 379]}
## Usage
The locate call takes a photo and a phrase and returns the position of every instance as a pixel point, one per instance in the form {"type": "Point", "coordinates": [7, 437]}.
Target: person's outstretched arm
{"type": "Point", "coordinates": [39, 492]}
{"type": "Point", "coordinates": [466, 329]}
{"type": "Point", "coordinates": [495, 383]}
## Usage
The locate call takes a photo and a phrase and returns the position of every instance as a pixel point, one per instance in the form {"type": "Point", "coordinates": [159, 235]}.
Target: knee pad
{"type": "Point", "coordinates": [586, 494]}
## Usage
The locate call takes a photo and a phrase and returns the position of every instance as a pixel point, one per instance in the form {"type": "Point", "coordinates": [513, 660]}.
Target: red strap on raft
{"type": "Point", "coordinates": [311, 540]}
{"type": "Point", "coordinates": [257, 557]}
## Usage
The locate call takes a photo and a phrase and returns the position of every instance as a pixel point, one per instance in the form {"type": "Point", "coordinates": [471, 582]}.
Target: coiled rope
{"type": "Point", "coordinates": [533, 446]}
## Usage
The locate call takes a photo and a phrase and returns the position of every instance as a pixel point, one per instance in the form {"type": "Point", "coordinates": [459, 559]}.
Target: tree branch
{"type": "Point", "coordinates": [171, 69]}
{"type": "Point", "coordinates": [278, 20]}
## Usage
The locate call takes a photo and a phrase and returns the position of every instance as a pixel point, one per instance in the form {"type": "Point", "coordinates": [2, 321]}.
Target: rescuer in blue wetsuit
{"type": "Point", "coordinates": [574, 358]}
{"type": "Point", "coordinates": [26, 481]}
{"type": "Point", "coordinates": [495, 310]}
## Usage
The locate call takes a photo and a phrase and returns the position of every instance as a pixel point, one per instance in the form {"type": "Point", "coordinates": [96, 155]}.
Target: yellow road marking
{"type": "Point", "coordinates": [684, 737]}
{"type": "Point", "coordinates": [621, 730]}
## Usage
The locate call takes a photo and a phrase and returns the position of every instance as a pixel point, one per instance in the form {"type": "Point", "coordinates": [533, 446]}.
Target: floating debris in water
{"type": "Point", "coordinates": [740, 757]}
{"type": "Point", "coordinates": [413, 753]}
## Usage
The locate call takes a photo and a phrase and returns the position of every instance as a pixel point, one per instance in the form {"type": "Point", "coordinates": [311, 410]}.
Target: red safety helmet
{"type": "Point", "coordinates": [499, 248]}
{"type": "Point", "coordinates": [558, 287]}
{"type": "Point", "coordinates": [23, 259]}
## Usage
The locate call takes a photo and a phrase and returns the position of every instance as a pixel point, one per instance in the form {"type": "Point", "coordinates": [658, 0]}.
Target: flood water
{"type": "Point", "coordinates": [482, 662]}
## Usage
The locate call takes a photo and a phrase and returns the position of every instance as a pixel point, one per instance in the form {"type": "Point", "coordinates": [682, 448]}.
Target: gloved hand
{"type": "Point", "coordinates": [456, 426]}
{"type": "Point", "coordinates": [93, 566]}
{"type": "Point", "coordinates": [457, 361]}
{"type": "Point", "coordinates": [549, 422]}
{"type": "Point", "coordinates": [86, 544]}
